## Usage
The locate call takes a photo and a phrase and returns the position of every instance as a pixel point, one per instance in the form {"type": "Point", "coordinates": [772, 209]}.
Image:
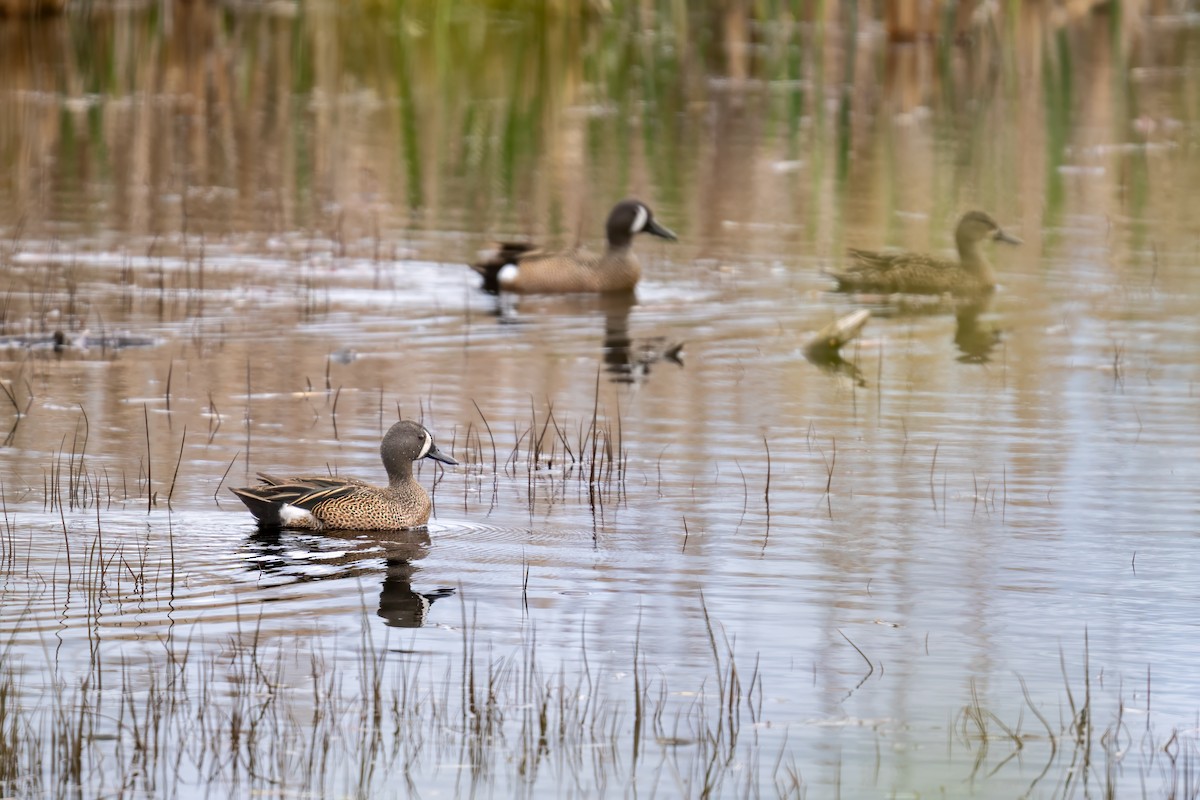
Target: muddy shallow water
{"type": "Point", "coordinates": [964, 562]}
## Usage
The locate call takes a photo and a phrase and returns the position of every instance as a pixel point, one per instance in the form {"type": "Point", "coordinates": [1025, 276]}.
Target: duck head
{"type": "Point", "coordinates": [631, 217]}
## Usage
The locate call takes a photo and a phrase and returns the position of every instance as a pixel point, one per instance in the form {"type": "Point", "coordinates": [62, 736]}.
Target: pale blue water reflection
{"type": "Point", "coordinates": [883, 557]}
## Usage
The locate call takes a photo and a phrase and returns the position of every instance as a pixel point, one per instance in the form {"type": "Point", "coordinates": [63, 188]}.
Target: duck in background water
{"type": "Point", "coordinates": [919, 273]}
{"type": "Point", "coordinates": [523, 268]}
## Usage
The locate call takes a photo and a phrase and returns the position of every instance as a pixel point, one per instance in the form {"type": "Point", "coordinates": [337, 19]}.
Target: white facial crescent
{"type": "Point", "coordinates": [639, 222]}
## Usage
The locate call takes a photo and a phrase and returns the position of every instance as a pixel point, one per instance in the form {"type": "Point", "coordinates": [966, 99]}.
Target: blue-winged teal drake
{"type": "Point", "coordinates": [524, 268]}
{"type": "Point", "coordinates": [917, 273]}
{"type": "Point", "coordinates": [322, 502]}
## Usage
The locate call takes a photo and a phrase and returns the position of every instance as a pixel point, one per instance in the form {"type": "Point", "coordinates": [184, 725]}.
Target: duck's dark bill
{"type": "Point", "coordinates": [658, 230]}
{"type": "Point", "coordinates": [438, 455]}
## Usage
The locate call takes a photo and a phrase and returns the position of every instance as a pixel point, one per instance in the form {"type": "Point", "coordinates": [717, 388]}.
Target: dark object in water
{"type": "Point", "coordinates": [828, 342]}
{"type": "Point", "coordinates": [824, 348]}
{"type": "Point", "coordinates": [84, 340]}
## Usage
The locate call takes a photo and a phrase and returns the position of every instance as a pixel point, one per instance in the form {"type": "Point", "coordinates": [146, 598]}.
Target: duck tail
{"type": "Point", "coordinates": [493, 261]}
{"type": "Point", "coordinates": [845, 280]}
{"type": "Point", "coordinates": [265, 510]}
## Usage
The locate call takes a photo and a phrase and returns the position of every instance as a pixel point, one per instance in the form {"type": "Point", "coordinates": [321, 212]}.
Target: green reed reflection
{"type": "Point", "coordinates": [376, 118]}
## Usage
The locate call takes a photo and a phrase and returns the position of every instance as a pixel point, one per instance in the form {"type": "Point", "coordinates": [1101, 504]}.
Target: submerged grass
{"type": "Point", "coordinates": [551, 454]}
{"type": "Point", "coordinates": [325, 717]}
{"type": "Point", "coordinates": [1081, 756]}
{"type": "Point", "coordinates": [270, 714]}
{"type": "Point", "coordinates": [346, 714]}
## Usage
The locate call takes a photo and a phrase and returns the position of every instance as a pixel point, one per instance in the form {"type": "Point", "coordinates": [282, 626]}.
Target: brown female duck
{"type": "Point", "coordinates": [918, 273]}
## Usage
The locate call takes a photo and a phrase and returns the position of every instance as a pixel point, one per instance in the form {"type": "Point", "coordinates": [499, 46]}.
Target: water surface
{"type": "Point", "coordinates": [961, 564]}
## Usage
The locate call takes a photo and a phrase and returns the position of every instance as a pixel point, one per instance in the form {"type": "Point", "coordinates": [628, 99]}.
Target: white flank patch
{"type": "Point", "coordinates": [639, 222]}
{"type": "Point", "coordinates": [296, 516]}
{"type": "Point", "coordinates": [425, 447]}
{"type": "Point", "coordinates": [507, 275]}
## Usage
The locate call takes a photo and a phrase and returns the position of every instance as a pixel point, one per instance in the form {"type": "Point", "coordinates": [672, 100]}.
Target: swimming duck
{"type": "Point", "coordinates": [917, 273]}
{"type": "Point", "coordinates": [323, 502]}
{"type": "Point", "coordinates": [524, 268]}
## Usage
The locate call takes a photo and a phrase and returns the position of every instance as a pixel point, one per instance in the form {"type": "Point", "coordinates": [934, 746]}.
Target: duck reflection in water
{"type": "Point", "coordinates": [290, 556]}
{"type": "Point", "coordinates": [628, 360]}
{"type": "Point", "coordinates": [400, 605]}
{"type": "Point", "coordinates": [975, 338]}
{"type": "Point", "coordinates": [975, 335]}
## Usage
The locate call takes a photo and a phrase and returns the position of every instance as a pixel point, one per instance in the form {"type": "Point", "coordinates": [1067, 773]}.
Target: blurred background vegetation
{"type": "Point", "coordinates": [379, 120]}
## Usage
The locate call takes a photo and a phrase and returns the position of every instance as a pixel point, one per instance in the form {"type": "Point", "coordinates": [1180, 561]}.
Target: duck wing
{"type": "Point", "coordinates": [895, 272]}
{"type": "Point", "coordinates": [314, 481]}
{"type": "Point", "coordinates": [877, 261]}
{"type": "Point", "coordinates": [267, 500]}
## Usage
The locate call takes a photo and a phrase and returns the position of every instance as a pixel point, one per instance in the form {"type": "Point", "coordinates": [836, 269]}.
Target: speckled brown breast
{"type": "Point", "coordinates": [369, 508]}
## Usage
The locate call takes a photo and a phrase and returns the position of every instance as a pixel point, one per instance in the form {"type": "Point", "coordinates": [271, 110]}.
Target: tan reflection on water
{"type": "Point", "coordinates": [283, 199]}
